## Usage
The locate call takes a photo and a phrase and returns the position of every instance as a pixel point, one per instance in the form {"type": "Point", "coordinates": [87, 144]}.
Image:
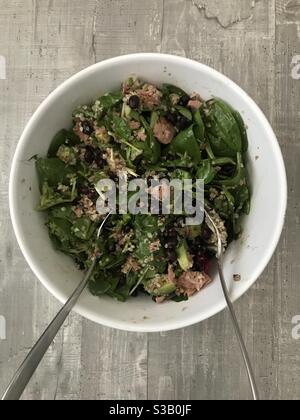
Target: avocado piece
{"type": "Point", "coordinates": [185, 260]}
{"type": "Point", "coordinates": [160, 285]}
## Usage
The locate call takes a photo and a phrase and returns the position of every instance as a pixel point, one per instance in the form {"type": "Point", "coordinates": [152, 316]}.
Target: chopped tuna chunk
{"type": "Point", "coordinates": [150, 96]}
{"type": "Point", "coordinates": [87, 207]}
{"type": "Point", "coordinates": [171, 274]}
{"type": "Point", "coordinates": [134, 125]}
{"type": "Point", "coordinates": [130, 265]}
{"type": "Point", "coordinates": [191, 282]}
{"type": "Point", "coordinates": [141, 135]}
{"type": "Point", "coordinates": [164, 131]}
{"type": "Point", "coordinates": [194, 104]}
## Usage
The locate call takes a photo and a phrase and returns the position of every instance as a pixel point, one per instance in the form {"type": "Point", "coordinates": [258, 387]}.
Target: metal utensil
{"type": "Point", "coordinates": [231, 310]}
{"type": "Point", "coordinates": [32, 361]}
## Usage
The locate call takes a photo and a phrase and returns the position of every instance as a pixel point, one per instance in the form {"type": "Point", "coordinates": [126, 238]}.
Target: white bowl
{"type": "Point", "coordinates": [249, 256]}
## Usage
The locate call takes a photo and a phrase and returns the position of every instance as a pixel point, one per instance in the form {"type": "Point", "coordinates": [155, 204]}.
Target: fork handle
{"type": "Point", "coordinates": [239, 335]}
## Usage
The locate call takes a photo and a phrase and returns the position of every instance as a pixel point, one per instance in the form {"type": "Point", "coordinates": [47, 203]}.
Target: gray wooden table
{"type": "Point", "coordinates": [257, 44]}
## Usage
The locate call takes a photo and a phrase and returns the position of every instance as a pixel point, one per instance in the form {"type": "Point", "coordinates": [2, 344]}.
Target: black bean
{"type": "Point", "coordinates": [184, 100]}
{"type": "Point", "coordinates": [171, 117]}
{"type": "Point", "coordinates": [89, 155]}
{"type": "Point", "coordinates": [183, 123]}
{"type": "Point", "coordinates": [87, 128]}
{"type": "Point", "coordinates": [98, 158]}
{"type": "Point", "coordinates": [134, 102]}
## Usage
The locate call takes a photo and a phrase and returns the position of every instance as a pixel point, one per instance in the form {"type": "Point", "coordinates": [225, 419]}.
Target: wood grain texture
{"type": "Point", "coordinates": [253, 42]}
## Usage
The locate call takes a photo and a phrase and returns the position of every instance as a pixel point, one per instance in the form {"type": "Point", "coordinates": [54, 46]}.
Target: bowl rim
{"type": "Point", "coordinates": [165, 325]}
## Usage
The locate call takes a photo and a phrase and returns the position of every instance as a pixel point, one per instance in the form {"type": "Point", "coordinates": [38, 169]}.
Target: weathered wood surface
{"type": "Point", "coordinates": [257, 44]}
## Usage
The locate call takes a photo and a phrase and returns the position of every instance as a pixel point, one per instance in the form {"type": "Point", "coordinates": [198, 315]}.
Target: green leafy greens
{"type": "Point", "coordinates": [152, 133]}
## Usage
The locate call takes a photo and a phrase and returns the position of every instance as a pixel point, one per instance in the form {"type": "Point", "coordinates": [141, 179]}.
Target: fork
{"type": "Point", "coordinates": [19, 382]}
{"type": "Point", "coordinates": [235, 323]}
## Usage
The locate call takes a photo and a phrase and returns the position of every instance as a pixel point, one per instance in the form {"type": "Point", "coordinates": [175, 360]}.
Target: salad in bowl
{"type": "Point", "coordinates": [157, 133]}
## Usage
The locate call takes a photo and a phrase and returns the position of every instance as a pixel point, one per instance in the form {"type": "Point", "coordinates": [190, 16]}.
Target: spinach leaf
{"type": "Point", "coordinates": [121, 128]}
{"type": "Point", "coordinates": [153, 121]}
{"type": "Point", "coordinates": [121, 293]}
{"type": "Point", "coordinates": [134, 150]}
{"type": "Point", "coordinates": [223, 131]}
{"type": "Point", "coordinates": [185, 112]}
{"type": "Point", "coordinates": [152, 148]}
{"type": "Point", "coordinates": [243, 130]}
{"type": "Point", "coordinates": [63, 212]}
{"type": "Point", "coordinates": [53, 171]}
{"type": "Point", "coordinates": [60, 232]}
{"type": "Point", "coordinates": [168, 89]}
{"type": "Point", "coordinates": [110, 100]}
{"type": "Point", "coordinates": [51, 197]}
{"type": "Point", "coordinates": [199, 127]}
{"type": "Point", "coordinates": [180, 298]}
{"type": "Point", "coordinates": [240, 123]}
{"type": "Point", "coordinates": [61, 228]}
{"type": "Point", "coordinates": [62, 137]}
{"type": "Point", "coordinates": [206, 171]}
{"type": "Point", "coordinates": [238, 179]}
{"type": "Point", "coordinates": [242, 199]}
{"type": "Point", "coordinates": [103, 282]}
{"type": "Point", "coordinates": [185, 142]}
{"type": "Point", "coordinates": [223, 161]}
{"type": "Point", "coordinates": [109, 261]}
{"type": "Point", "coordinates": [83, 228]}
{"type": "Point", "coordinates": [185, 161]}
